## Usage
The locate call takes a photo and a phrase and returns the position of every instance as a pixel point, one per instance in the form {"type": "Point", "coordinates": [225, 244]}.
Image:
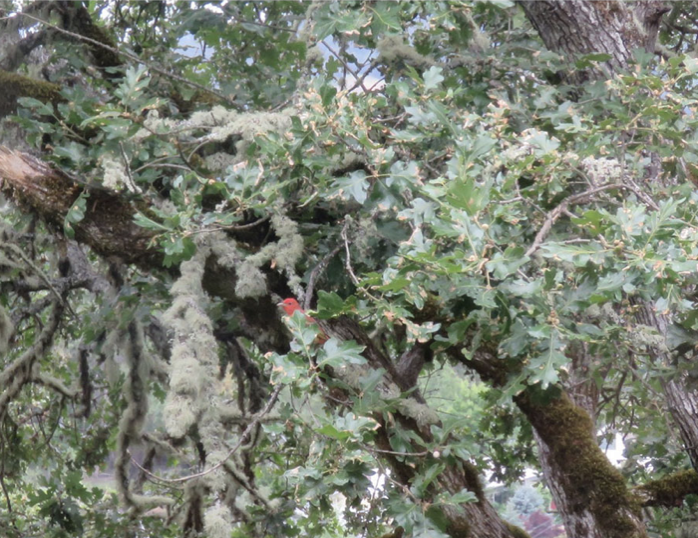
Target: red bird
{"type": "Point", "coordinates": [290, 306]}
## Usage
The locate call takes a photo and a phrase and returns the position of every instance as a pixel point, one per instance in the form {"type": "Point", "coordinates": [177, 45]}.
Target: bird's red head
{"type": "Point", "coordinates": [290, 306]}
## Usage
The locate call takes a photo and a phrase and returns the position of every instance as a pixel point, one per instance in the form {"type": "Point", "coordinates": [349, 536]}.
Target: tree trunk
{"type": "Point", "coordinates": [590, 493]}
{"type": "Point", "coordinates": [585, 490]}
{"type": "Point", "coordinates": [579, 27]}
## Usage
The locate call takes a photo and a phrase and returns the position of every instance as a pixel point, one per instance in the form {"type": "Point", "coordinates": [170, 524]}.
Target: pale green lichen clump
{"type": "Point", "coordinates": [219, 123]}
{"type": "Point", "coordinates": [194, 360]}
{"type": "Point", "coordinates": [217, 522]}
{"type": "Point", "coordinates": [393, 48]}
{"type": "Point", "coordinates": [284, 255]}
{"type": "Point", "coordinates": [194, 397]}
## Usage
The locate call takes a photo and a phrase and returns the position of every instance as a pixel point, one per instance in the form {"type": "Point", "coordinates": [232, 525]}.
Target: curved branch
{"type": "Point", "coordinates": [23, 48]}
{"type": "Point", "coordinates": [15, 86]}
{"type": "Point", "coordinates": [19, 372]}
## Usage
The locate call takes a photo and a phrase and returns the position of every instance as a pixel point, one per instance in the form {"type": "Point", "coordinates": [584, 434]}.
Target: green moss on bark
{"type": "Point", "coordinates": [591, 483]}
{"type": "Point", "coordinates": [516, 532]}
{"type": "Point", "coordinates": [670, 490]}
{"type": "Point", "coordinates": [15, 86]}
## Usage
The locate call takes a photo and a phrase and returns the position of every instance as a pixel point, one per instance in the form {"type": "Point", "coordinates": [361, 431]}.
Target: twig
{"type": "Point", "coordinates": [393, 453]}
{"type": "Point", "coordinates": [347, 261]}
{"type": "Point", "coordinates": [231, 227]}
{"type": "Point", "coordinates": [127, 165]}
{"type": "Point", "coordinates": [346, 66]}
{"type": "Point", "coordinates": [7, 496]}
{"type": "Point", "coordinates": [243, 436]}
{"type": "Point", "coordinates": [562, 208]}
{"type": "Point", "coordinates": [632, 186]}
{"type": "Point", "coordinates": [315, 274]}
{"type": "Point", "coordinates": [136, 59]}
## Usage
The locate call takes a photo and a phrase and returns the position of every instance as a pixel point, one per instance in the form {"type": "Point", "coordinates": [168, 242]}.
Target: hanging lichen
{"type": "Point", "coordinates": [283, 255]}
{"type": "Point", "coordinates": [217, 522]}
{"type": "Point", "coordinates": [6, 330]}
{"type": "Point", "coordinates": [130, 342]}
{"type": "Point", "coordinates": [194, 359]}
{"type": "Point", "coordinates": [219, 125]}
{"type": "Point", "coordinates": [393, 49]}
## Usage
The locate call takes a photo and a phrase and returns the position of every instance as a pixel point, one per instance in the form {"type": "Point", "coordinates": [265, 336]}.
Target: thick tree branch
{"type": "Point", "coordinates": [108, 226]}
{"type": "Point", "coordinates": [15, 86]}
{"type": "Point", "coordinates": [16, 55]}
{"type": "Point", "coordinates": [670, 490]}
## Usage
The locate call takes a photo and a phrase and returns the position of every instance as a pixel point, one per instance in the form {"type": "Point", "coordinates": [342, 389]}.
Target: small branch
{"type": "Point", "coordinates": [22, 49]}
{"type": "Point", "coordinates": [562, 208]}
{"type": "Point", "coordinates": [243, 436]}
{"type": "Point", "coordinates": [7, 497]}
{"type": "Point", "coordinates": [127, 166]}
{"type": "Point", "coordinates": [669, 490]}
{"type": "Point", "coordinates": [393, 453]}
{"type": "Point", "coordinates": [14, 376]}
{"type": "Point", "coordinates": [346, 66]}
{"type": "Point", "coordinates": [55, 384]}
{"type": "Point", "coordinates": [315, 274]}
{"type": "Point", "coordinates": [136, 59]}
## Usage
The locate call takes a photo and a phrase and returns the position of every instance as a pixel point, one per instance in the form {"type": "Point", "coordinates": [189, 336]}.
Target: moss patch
{"type": "Point", "coordinates": [590, 482]}
{"type": "Point", "coordinates": [15, 86]}
{"type": "Point", "coordinates": [670, 490]}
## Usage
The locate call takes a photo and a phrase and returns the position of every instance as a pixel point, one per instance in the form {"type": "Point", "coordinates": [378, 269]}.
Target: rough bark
{"type": "Point", "coordinates": [681, 398]}
{"type": "Point", "coordinates": [683, 406]}
{"type": "Point", "coordinates": [579, 27]}
{"type": "Point", "coordinates": [594, 499]}
{"type": "Point", "coordinates": [594, 503]}
{"type": "Point", "coordinates": [107, 227]}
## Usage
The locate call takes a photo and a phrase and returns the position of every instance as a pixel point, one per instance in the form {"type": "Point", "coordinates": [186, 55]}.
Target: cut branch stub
{"type": "Point", "coordinates": [107, 227]}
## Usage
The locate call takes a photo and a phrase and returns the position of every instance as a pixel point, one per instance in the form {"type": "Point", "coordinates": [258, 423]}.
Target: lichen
{"type": "Point", "coordinates": [6, 330]}
{"type": "Point", "coordinates": [130, 342]}
{"type": "Point", "coordinates": [251, 282]}
{"type": "Point", "coordinates": [422, 414]}
{"type": "Point", "coordinates": [283, 254]}
{"type": "Point", "coordinates": [516, 532]}
{"type": "Point", "coordinates": [194, 360]}
{"type": "Point", "coordinates": [217, 522]}
{"type": "Point", "coordinates": [392, 49]}
{"type": "Point", "coordinates": [115, 175]}
{"type": "Point", "coordinates": [602, 170]}
{"type": "Point", "coordinates": [222, 123]}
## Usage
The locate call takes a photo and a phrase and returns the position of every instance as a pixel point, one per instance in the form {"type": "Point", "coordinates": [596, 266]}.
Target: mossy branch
{"type": "Point", "coordinates": [669, 490]}
{"type": "Point", "coordinates": [15, 86]}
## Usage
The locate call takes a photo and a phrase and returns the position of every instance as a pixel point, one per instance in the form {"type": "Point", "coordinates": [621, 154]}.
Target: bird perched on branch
{"type": "Point", "coordinates": [290, 306]}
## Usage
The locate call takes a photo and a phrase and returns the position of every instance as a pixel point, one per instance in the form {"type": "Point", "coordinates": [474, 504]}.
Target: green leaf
{"type": "Point", "coordinates": [507, 263]}
{"type": "Point", "coordinates": [150, 224]}
{"type": "Point", "coordinates": [329, 305]}
{"type": "Point", "coordinates": [463, 496]}
{"type": "Point", "coordinates": [386, 17]}
{"type": "Point", "coordinates": [433, 78]}
{"type": "Point", "coordinates": [335, 353]}
{"type": "Point", "coordinates": [354, 185]}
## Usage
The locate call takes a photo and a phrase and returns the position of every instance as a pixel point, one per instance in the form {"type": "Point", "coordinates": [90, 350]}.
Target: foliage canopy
{"type": "Point", "coordinates": [499, 241]}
